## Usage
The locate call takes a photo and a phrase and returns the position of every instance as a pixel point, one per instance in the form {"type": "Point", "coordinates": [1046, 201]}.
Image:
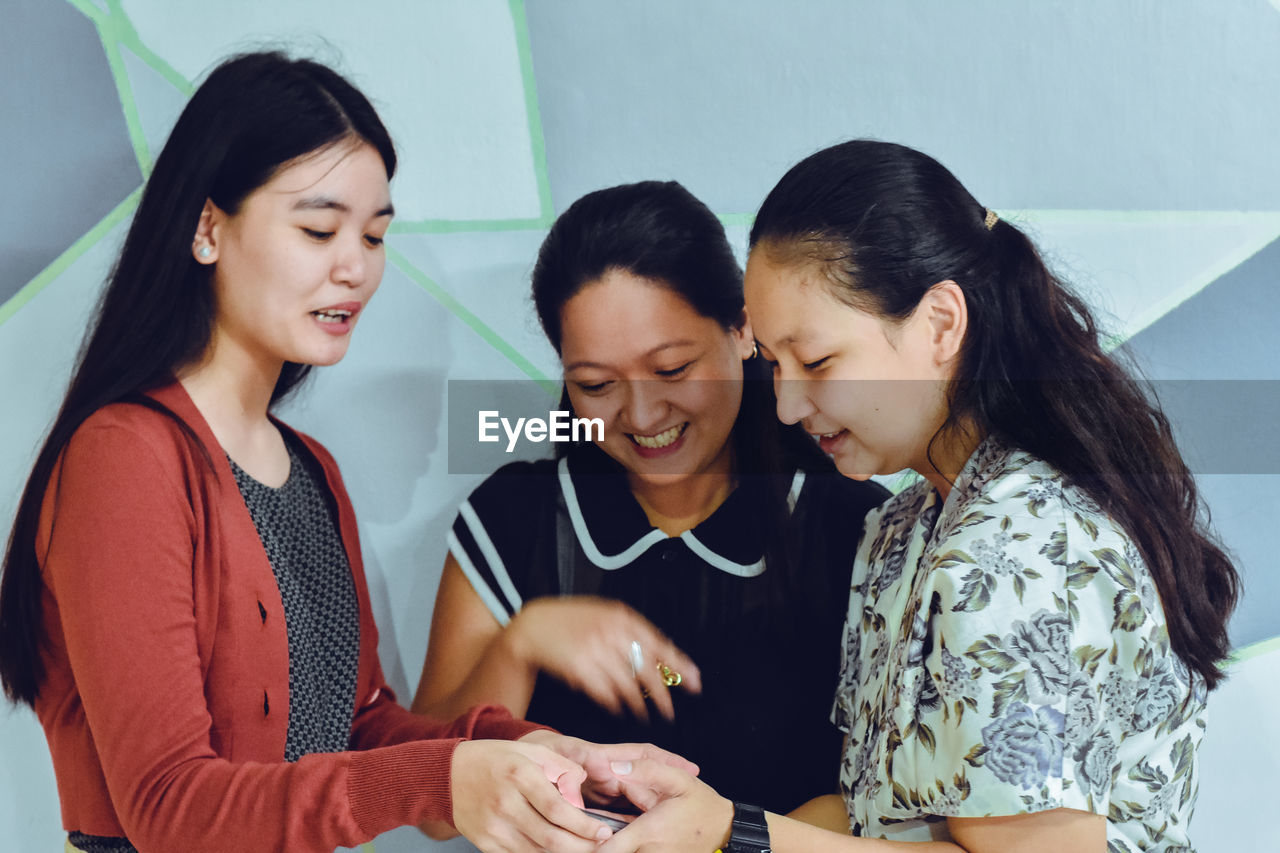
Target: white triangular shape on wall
{"type": "Point", "coordinates": [422, 64]}
{"type": "Point", "coordinates": [1136, 266]}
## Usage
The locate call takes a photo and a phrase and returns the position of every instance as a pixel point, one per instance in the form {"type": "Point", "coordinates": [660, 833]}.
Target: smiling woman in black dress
{"type": "Point", "coordinates": [697, 541]}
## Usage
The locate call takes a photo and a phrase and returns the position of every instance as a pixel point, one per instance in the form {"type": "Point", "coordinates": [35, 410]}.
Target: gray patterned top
{"type": "Point", "coordinates": [301, 539]}
{"type": "Point", "coordinates": [1006, 652]}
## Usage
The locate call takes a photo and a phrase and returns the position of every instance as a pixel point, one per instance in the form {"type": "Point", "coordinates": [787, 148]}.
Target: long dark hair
{"type": "Point", "coordinates": [886, 223]}
{"type": "Point", "coordinates": [253, 115]}
{"type": "Point", "coordinates": [660, 231]}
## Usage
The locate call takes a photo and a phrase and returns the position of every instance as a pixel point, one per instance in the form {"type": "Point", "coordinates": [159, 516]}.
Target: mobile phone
{"type": "Point", "coordinates": [608, 820]}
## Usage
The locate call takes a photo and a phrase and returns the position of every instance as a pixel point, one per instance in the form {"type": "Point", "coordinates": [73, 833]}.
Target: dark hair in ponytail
{"type": "Point", "coordinates": [886, 223]}
{"type": "Point", "coordinates": [254, 115]}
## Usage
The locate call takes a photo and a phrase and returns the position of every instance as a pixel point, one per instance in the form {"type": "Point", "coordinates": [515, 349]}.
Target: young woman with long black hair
{"type": "Point", "coordinates": [183, 601]}
{"type": "Point", "coordinates": [694, 535]}
{"type": "Point", "coordinates": [1034, 627]}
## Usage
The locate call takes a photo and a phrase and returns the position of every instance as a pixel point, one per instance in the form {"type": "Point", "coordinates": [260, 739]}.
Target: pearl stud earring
{"type": "Point", "coordinates": [205, 251]}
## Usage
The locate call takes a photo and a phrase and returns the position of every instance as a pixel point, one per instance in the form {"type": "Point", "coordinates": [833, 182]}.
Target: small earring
{"type": "Point", "coordinates": [755, 350]}
{"type": "Point", "coordinates": [205, 251]}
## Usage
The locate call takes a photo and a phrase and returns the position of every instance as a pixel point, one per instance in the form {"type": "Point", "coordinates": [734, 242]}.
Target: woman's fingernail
{"type": "Point", "coordinates": [620, 768]}
{"type": "Point", "coordinates": [604, 833]}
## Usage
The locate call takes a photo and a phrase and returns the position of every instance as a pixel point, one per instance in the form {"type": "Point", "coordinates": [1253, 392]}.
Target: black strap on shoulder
{"type": "Point", "coordinates": [577, 574]}
{"type": "Point", "coordinates": [566, 546]}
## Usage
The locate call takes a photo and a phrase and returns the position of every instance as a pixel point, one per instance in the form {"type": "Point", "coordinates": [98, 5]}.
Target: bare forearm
{"type": "Point", "coordinates": [1052, 831]}
{"type": "Point", "coordinates": [794, 836]}
{"type": "Point", "coordinates": [827, 811]}
{"type": "Point", "coordinates": [500, 676]}
{"type": "Point", "coordinates": [682, 813]}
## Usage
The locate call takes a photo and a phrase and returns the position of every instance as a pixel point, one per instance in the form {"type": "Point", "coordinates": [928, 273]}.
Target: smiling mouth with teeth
{"type": "Point", "coordinates": [331, 315]}
{"type": "Point", "coordinates": [663, 439]}
{"type": "Point", "coordinates": [827, 440]}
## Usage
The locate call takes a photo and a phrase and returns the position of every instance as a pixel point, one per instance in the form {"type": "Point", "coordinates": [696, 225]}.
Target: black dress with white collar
{"type": "Point", "coordinates": [769, 656]}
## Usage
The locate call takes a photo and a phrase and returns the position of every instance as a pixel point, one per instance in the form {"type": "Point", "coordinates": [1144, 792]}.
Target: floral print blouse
{"type": "Point", "coordinates": [1006, 652]}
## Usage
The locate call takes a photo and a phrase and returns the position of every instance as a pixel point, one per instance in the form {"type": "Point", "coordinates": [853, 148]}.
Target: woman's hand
{"type": "Point", "coordinates": [583, 641]}
{"type": "Point", "coordinates": [587, 642]}
{"type": "Point", "coordinates": [515, 797]}
{"type": "Point", "coordinates": [602, 785]}
{"type": "Point", "coordinates": [681, 813]}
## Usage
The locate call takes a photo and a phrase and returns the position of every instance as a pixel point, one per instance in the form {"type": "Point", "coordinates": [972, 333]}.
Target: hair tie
{"type": "Point", "coordinates": [991, 219]}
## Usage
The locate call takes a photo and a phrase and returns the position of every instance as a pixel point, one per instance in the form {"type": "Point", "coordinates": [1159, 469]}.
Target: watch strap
{"type": "Point", "coordinates": [750, 831]}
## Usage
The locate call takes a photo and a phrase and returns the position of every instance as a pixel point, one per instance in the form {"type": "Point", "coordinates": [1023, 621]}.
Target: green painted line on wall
{"type": "Point", "coordinates": [121, 211]}
{"type": "Point", "coordinates": [132, 119]}
{"type": "Point", "coordinates": [89, 10]}
{"type": "Point", "coordinates": [127, 35]}
{"type": "Point", "coordinates": [1250, 652]}
{"type": "Point", "coordinates": [110, 28]}
{"type": "Point", "coordinates": [455, 307]}
{"type": "Point", "coordinates": [463, 226]}
{"type": "Point", "coordinates": [537, 142]}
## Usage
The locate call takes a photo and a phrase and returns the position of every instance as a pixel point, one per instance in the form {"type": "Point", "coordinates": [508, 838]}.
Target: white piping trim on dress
{"type": "Point", "coordinates": [719, 562]}
{"type": "Point", "coordinates": [589, 548]}
{"type": "Point", "coordinates": [797, 483]}
{"type": "Point", "coordinates": [726, 565]}
{"type": "Point", "coordinates": [491, 556]}
{"type": "Point", "coordinates": [477, 583]}
{"type": "Point", "coordinates": [645, 542]}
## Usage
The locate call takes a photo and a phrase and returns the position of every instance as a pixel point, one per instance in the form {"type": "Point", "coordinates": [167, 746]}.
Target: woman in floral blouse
{"type": "Point", "coordinates": [1034, 626]}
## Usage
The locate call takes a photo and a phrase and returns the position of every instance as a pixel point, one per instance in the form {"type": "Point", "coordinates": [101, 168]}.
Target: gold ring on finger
{"type": "Point", "coordinates": [670, 677]}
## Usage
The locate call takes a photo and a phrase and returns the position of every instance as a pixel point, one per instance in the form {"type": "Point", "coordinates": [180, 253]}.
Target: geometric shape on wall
{"type": "Point", "coordinates": [1154, 106]}
{"type": "Point", "coordinates": [1133, 267]}
{"type": "Point", "coordinates": [66, 151]}
{"type": "Point", "coordinates": [1243, 509]}
{"type": "Point", "coordinates": [1227, 332]}
{"type": "Point", "coordinates": [38, 346]}
{"type": "Point", "coordinates": [159, 103]}
{"type": "Point", "coordinates": [488, 272]}
{"type": "Point", "coordinates": [422, 64]}
{"type": "Point", "coordinates": [30, 812]}
{"type": "Point", "coordinates": [1239, 754]}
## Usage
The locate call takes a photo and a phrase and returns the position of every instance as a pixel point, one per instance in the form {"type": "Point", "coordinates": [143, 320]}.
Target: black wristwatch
{"type": "Point", "coordinates": [750, 832]}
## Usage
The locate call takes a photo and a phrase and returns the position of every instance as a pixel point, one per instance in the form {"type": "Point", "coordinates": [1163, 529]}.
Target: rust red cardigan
{"type": "Point", "coordinates": [166, 699]}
